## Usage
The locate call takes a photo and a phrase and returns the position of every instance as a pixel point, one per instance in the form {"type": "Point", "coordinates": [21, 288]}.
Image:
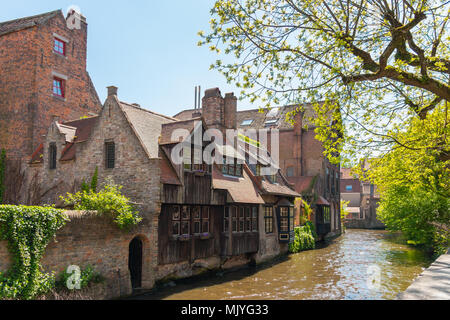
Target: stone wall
{"type": "Point", "coordinates": [96, 241]}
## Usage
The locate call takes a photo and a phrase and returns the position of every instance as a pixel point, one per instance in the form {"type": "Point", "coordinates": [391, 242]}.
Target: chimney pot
{"type": "Point", "coordinates": [112, 91]}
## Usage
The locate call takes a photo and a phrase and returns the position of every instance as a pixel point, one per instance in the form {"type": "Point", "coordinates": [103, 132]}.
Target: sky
{"type": "Point", "coordinates": [148, 49]}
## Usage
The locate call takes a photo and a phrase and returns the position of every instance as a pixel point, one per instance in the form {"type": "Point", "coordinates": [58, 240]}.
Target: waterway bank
{"type": "Point", "coordinates": [433, 283]}
{"type": "Point", "coordinates": [339, 269]}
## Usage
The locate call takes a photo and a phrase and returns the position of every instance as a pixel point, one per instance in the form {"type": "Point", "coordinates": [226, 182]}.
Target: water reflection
{"type": "Point", "coordinates": [336, 270]}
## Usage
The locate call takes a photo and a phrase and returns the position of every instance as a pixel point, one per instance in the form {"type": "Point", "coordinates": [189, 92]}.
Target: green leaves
{"type": "Point", "coordinates": [2, 174]}
{"type": "Point", "coordinates": [28, 231]}
{"type": "Point", "coordinates": [414, 181]}
{"type": "Point", "coordinates": [304, 238]}
{"type": "Point", "coordinates": [108, 201]}
{"type": "Point", "coordinates": [313, 51]}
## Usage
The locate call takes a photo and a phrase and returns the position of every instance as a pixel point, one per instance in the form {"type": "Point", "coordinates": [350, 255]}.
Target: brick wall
{"type": "Point", "coordinates": [27, 63]}
{"type": "Point", "coordinates": [96, 241]}
{"type": "Point", "coordinates": [139, 175]}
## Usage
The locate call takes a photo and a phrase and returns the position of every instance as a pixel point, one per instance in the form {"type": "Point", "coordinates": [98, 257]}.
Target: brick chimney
{"type": "Point", "coordinates": [112, 91]}
{"type": "Point", "coordinates": [298, 122]}
{"type": "Point", "coordinates": [230, 110]}
{"type": "Point", "coordinates": [213, 108]}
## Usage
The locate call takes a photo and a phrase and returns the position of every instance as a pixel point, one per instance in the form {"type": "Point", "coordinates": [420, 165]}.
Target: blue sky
{"type": "Point", "coordinates": [146, 48]}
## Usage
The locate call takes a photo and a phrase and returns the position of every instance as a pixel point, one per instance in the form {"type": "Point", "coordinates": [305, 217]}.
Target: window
{"type": "Point", "coordinates": [254, 219]}
{"type": "Point", "coordinates": [268, 219]}
{"type": "Point", "coordinates": [271, 122]}
{"type": "Point", "coordinates": [52, 156]}
{"type": "Point", "coordinates": [284, 219]}
{"type": "Point", "coordinates": [247, 122]}
{"type": "Point", "coordinates": [175, 220]}
{"type": "Point", "coordinates": [59, 47]}
{"type": "Point", "coordinates": [192, 160]}
{"type": "Point", "coordinates": [234, 219]}
{"type": "Point", "coordinates": [58, 87]}
{"type": "Point", "coordinates": [185, 220]}
{"type": "Point", "coordinates": [234, 169]}
{"type": "Point", "coordinates": [349, 188]}
{"type": "Point", "coordinates": [110, 155]}
{"type": "Point", "coordinates": [326, 214]}
{"type": "Point", "coordinates": [290, 172]}
{"type": "Point", "coordinates": [201, 219]}
{"type": "Point", "coordinates": [205, 219]}
{"type": "Point", "coordinates": [226, 220]}
{"type": "Point", "coordinates": [243, 219]}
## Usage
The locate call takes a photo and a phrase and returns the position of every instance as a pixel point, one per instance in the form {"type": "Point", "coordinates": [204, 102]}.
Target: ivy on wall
{"type": "Point", "coordinates": [28, 231]}
{"type": "Point", "coordinates": [2, 174]}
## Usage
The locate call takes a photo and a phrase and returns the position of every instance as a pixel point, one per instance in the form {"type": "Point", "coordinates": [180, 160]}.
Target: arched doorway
{"type": "Point", "coordinates": [135, 263]}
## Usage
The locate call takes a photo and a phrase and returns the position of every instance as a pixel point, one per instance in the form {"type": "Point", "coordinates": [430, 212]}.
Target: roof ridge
{"type": "Point", "coordinates": [31, 17]}
{"type": "Point", "coordinates": [82, 119]}
{"type": "Point", "coordinates": [149, 111]}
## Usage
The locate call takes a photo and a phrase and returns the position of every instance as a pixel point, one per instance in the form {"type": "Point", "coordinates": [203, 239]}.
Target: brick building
{"type": "Point", "coordinates": [301, 159]}
{"type": "Point", "coordinates": [363, 201]}
{"type": "Point", "coordinates": [196, 217]}
{"type": "Point", "coordinates": [43, 75]}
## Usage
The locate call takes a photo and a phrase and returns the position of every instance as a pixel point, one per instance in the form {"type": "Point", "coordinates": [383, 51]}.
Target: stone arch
{"type": "Point", "coordinates": [139, 262]}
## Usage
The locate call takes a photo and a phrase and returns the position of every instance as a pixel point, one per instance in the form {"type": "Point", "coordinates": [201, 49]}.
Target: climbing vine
{"type": "Point", "coordinates": [2, 174]}
{"type": "Point", "coordinates": [28, 231]}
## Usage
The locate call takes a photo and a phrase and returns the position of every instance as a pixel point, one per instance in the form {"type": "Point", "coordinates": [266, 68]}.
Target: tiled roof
{"type": "Point", "coordinates": [38, 155]}
{"type": "Point", "coordinates": [241, 190]}
{"type": "Point", "coordinates": [260, 116]}
{"type": "Point", "coordinates": [169, 128]}
{"type": "Point", "coordinates": [188, 114]}
{"type": "Point", "coordinates": [168, 173]}
{"type": "Point", "coordinates": [82, 132]}
{"type": "Point", "coordinates": [346, 173]}
{"type": "Point", "coordinates": [302, 183]}
{"type": "Point", "coordinates": [147, 126]}
{"type": "Point", "coordinates": [68, 131]}
{"type": "Point", "coordinates": [322, 201]}
{"type": "Point", "coordinates": [83, 127]}
{"type": "Point", "coordinates": [278, 189]}
{"type": "Point", "coordinates": [27, 22]}
{"type": "Point", "coordinates": [280, 116]}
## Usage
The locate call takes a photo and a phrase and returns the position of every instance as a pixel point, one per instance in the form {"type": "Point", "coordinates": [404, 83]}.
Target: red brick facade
{"type": "Point", "coordinates": [28, 65]}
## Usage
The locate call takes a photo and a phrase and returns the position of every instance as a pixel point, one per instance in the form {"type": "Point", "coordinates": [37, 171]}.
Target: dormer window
{"type": "Point", "coordinates": [234, 169]}
{"type": "Point", "coordinates": [58, 87]}
{"type": "Point", "coordinates": [271, 122]}
{"type": "Point", "coordinates": [59, 47]}
{"type": "Point", "coordinates": [247, 122]}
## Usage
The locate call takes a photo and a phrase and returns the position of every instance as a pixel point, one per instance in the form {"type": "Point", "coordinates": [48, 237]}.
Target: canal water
{"type": "Point", "coordinates": [361, 264]}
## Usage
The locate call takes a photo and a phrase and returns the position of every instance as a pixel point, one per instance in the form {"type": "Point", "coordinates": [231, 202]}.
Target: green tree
{"type": "Point", "coordinates": [94, 180]}
{"type": "Point", "coordinates": [380, 63]}
{"type": "Point", "coordinates": [414, 183]}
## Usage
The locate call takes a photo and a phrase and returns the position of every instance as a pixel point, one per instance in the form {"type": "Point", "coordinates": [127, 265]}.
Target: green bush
{"type": "Point", "coordinates": [28, 231]}
{"type": "Point", "coordinates": [87, 277]}
{"type": "Point", "coordinates": [305, 238]}
{"type": "Point", "coordinates": [108, 201]}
